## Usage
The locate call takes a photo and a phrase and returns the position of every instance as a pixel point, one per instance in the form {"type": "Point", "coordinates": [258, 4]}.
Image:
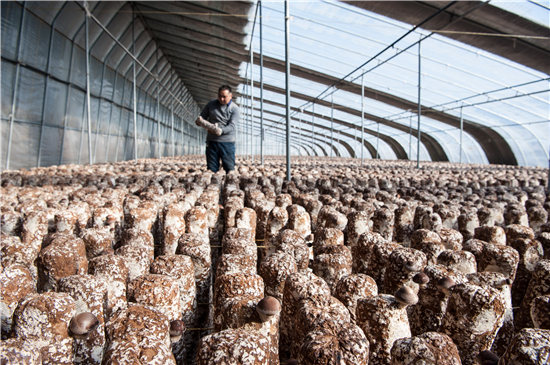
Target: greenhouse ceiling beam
{"type": "Point", "coordinates": [188, 13]}
{"type": "Point", "coordinates": [229, 53]}
{"type": "Point", "coordinates": [279, 139]}
{"type": "Point", "coordinates": [367, 145]}
{"type": "Point", "coordinates": [193, 69]}
{"type": "Point", "coordinates": [434, 148]}
{"type": "Point", "coordinates": [207, 86]}
{"type": "Point", "coordinates": [228, 63]}
{"type": "Point", "coordinates": [159, 46]}
{"type": "Point", "coordinates": [91, 16]}
{"type": "Point", "coordinates": [488, 19]}
{"type": "Point", "coordinates": [495, 147]}
{"type": "Point", "coordinates": [184, 33]}
{"type": "Point", "coordinates": [320, 143]}
{"type": "Point", "coordinates": [278, 126]}
{"type": "Point", "coordinates": [165, 33]}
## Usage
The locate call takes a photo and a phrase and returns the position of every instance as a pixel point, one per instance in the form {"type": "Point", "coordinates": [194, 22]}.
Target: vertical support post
{"type": "Point", "coordinates": [312, 125]}
{"type": "Point", "coordinates": [158, 104]}
{"type": "Point", "coordinates": [378, 141]}
{"type": "Point", "coordinates": [461, 130]}
{"type": "Point", "coordinates": [239, 147]}
{"type": "Point", "coordinates": [134, 82]}
{"type": "Point", "coordinates": [261, 89]}
{"type": "Point", "coordinates": [362, 117]}
{"type": "Point", "coordinates": [252, 98]}
{"type": "Point", "coordinates": [67, 107]}
{"type": "Point", "coordinates": [331, 121]}
{"type": "Point", "coordinates": [110, 122]}
{"type": "Point", "coordinates": [120, 117]}
{"type": "Point", "coordinates": [97, 131]}
{"type": "Point", "coordinates": [287, 85]}
{"type": "Point", "coordinates": [410, 137]}
{"type": "Point", "coordinates": [52, 32]}
{"type": "Point", "coordinates": [172, 107]}
{"type": "Point", "coordinates": [300, 132]}
{"type": "Point", "coordinates": [17, 72]}
{"type": "Point", "coordinates": [419, 106]}
{"type": "Point", "coordinates": [89, 106]}
{"type": "Point", "coordinates": [82, 132]}
{"type": "Point", "coordinates": [247, 110]}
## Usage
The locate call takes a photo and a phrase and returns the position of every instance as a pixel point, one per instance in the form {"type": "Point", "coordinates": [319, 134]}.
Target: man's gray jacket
{"type": "Point", "coordinates": [227, 118]}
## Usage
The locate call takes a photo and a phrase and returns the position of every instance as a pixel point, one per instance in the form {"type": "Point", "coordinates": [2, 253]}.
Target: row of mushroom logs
{"type": "Point", "coordinates": [374, 264]}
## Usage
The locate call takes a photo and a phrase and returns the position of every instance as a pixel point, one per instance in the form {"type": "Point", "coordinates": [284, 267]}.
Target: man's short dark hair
{"type": "Point", "coordinates": [224, 87]}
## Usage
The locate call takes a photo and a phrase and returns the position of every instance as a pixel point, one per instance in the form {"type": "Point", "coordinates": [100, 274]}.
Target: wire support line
{"type": "Point", "coordinates": [334, 85]}
{"type": "Point", "coordinates": [489, 34]}
{"type": "Point", "coordinates": [428, 110]}
{"type": "Point", "coordinates": [478, 95]}
{"type": "Point", "coordinates": [385, 49]}
{"type": "Point", "coordinates": [98, 22]}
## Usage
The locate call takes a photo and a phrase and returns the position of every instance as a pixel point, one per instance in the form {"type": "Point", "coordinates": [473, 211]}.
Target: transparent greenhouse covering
{"type": "Point", "coordinates": [335, 38]}
{"type": "Point", "coordinates": [482, 65]}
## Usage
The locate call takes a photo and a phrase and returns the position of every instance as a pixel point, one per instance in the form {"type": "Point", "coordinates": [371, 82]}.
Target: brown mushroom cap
{"type": "Point", "coordinates": [110, 219]}
{"type": "Point", "coordinates": [488, 357]}
{"type": "Point", "coordinates": [177, 328]}
{"type": "Point", "coordinates": [406, 296]}
{"type": "Point", "coordinates": [268, 306]}
{"type": "Point", "coordinates": [411, 266]}
{"type": "Point", "coordinates": [83, 324]}
{"type": "Point", "coordinates": [421, 278]}
{"type": "Point", "coordinates": [445, 283]}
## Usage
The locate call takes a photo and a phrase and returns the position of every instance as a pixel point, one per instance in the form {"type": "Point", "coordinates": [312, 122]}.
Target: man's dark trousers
{"type": "Point", "coordinates": [220, 150]}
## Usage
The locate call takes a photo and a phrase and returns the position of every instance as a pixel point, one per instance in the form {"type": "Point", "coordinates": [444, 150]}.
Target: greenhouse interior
{"type": "Point", "coordinates": [275, 182]}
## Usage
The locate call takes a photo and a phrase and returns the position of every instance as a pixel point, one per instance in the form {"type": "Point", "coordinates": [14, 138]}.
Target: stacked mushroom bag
{"type": "Point", "coordinates": [339, 248]}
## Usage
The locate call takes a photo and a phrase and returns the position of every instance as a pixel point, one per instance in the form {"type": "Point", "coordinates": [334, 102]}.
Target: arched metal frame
{"type": "Point", "coordinates": [193, 63]}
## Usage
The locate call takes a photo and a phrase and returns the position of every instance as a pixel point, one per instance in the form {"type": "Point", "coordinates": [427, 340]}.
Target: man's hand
{"type": "Point", "coordinates": [213, 128]}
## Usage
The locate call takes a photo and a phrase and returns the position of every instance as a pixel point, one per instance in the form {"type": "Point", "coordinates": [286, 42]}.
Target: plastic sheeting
{"type": "Point", "coordinates": [333, 38]}
{"type": "Point", "coordinates": [49, 125]}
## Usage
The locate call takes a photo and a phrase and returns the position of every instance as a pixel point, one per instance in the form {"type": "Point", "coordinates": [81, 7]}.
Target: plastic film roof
{"type": "Point", "coordinates": [484, 65]}
{"type": "Point", "coordinates": [504, 105]}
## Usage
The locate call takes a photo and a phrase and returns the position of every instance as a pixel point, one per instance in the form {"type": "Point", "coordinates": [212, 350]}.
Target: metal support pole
{"type": "Point", "coordinates": [362, 117]}
{"type": "Point", "coordinates": [252, 99]}
{"type": "Point", "coordinates": [134, 81]}
{"type": "Point", "coordinates": [261, 89]}
{"type": "Point", "coordinates": [158, 104]}
{"type": "Point", "coordinates": [110, 123]}
{"type": "Point", "coordinates": [410, 137]}
{"type": "Point", "coordinates": [378, 141]}
{"type": "Point", "coordinates": [89, 106]}
{"type": "Point", "coordinates": [312, 125]}
{"type": "Point", "coordinates": [14, 95]}
{"type": "Point", "coordinates": [65, 124]}
{"type": "Point", "coordinates": [287, 85]}
{"type": "Point", "coordinates": [331, 122]}
{"type": "Point", "coordinates": [300, 132]}
{"type": "Point", "coordinates": [172, 110]}
{"type": "Point", "coordinates": [82, 131]}
{"type": "Point", "coordinates": [97, 131]}
{"type": "Point", "coordinates": [419, 105]}
{"type": "Point", "coordinates": [65, 116]}
{"type": "Point", "coordinates": [46, 89]}
{"type": "Point", "coordinates": [461, 130]}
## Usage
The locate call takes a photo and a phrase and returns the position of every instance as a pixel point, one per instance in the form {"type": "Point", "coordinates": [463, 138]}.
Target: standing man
{"type": "Point", "coordinates": [220, 117]}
